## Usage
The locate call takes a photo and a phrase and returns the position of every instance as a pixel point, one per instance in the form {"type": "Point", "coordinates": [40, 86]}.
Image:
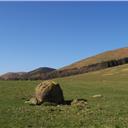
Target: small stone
{"type": "Point", "coordinates": [79, 102]}
{"type": "Point", "coordinates": [32, 101]}
{"type": "Point", "coordinates": [97, 96]}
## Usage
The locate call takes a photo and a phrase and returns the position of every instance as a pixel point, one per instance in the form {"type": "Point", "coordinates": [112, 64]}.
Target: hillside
{"type": "Point", "coordinates": [109, 74]}
{"type": "Point", "coordinates": [98, 62]}
{"type": "Point", "coordinates": [103, 57]}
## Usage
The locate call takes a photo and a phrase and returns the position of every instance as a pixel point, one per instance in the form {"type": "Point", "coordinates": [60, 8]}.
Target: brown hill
{"type": "Point", "coordinates": [98, 62]}
{"type": "Point", "coordinates": [106, 56]}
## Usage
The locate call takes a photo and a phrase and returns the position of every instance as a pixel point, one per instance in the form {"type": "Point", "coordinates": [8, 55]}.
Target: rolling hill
{"type": "Point", "coordinates": [103, 57]}
{"type": "Point", "coordinates": [98, 62]}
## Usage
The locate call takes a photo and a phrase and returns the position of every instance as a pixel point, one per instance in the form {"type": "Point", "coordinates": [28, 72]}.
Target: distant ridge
{"type": "Point", "coordinates": [101, 61]}
{"type": "Point", "coordinates": [12, 76]}
{"type": "Point", "coordinates": [36, 74]}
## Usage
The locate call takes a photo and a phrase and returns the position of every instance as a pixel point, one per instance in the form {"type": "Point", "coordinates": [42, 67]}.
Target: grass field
{"type": "Point", "coordinates": [110, 111]}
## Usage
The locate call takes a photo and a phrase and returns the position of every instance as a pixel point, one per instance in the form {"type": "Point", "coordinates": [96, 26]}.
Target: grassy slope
{"type": "Point", "coordinates": [107, 112]}
{"type": "Point", "coordinates": [105, 56]}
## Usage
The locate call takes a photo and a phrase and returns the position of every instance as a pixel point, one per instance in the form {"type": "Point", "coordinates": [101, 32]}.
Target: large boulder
{"type": "Point", "coordinates": [49, 91]}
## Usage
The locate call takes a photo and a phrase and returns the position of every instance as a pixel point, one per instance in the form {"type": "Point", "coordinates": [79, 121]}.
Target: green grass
{"type": "Point", "coordinates": [110, 111]}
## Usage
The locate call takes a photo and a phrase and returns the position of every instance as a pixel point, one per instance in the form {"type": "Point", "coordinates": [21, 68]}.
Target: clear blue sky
{"type": "Point", "coordinates": [55, 34]}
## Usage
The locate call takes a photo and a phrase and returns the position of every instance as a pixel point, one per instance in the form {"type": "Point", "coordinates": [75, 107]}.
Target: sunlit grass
{"type": "Point", "coordinates": [110, 111]}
